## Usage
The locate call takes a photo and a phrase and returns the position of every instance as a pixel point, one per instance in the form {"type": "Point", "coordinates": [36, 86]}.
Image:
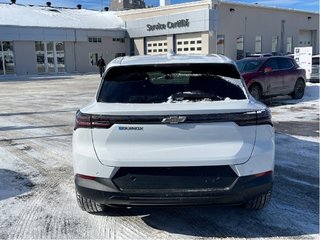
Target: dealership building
{"type": "Point", "coordinates": [47, 39]}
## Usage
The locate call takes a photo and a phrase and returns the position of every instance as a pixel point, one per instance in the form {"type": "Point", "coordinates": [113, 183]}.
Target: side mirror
{"type": "Point", "coordinates": [267, 69]}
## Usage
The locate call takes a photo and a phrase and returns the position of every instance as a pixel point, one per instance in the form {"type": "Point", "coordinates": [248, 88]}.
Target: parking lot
{"type": "Point", "coordinates": [37, 198]}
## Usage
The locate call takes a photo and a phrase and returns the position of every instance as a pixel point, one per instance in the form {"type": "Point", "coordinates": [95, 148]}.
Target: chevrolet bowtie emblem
{"type": "Point", "coordinates": [174, 119]}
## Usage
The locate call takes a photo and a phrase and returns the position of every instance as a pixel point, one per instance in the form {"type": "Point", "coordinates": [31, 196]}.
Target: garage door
{"type": "Point", "coordinates": [305, 38]}
{"type": "Point", "coordinates": [156, 47]}
{"type": "Point", "coordinates": [185, 45]}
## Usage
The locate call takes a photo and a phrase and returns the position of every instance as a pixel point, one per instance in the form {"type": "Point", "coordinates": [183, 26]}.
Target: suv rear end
{"type": "Point", "coordinates": [315, 71]}
{"type": "Point", "coordinates": [173, 130]}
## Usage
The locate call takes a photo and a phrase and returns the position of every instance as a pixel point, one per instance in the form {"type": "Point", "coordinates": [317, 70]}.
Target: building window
{"type": "Point", "coordinates": [121, 40]}
{"type": "Point", "coordinates": [289, 45]}
{"type": "Point", "coordinates": [258, 46]}
{"type": "Point", "coordinates": [274, 46]}
{"type": "Point", "coordinates": [40, 54]}
{"type": "Point", "coordinates": [93, 59]}
{"type": "Point", "coordinates": [156, 47]}
{"type": "Point", "coordinates": [188, 45]}
{"type": "Point", "coordinates": [119, 55]}
{"type": "Point", "coordinates": [94, 39]}
{"type": "Point", "coordinates": [240, 47]}
{"type": "Point", "coordinates": [60, 56]}
{"type": "Point", "coordinates": [50, 56]}
{"type": "Point", "coordinates": [6, 58]}
{"type": "Point", "coordinates": [220, 44]}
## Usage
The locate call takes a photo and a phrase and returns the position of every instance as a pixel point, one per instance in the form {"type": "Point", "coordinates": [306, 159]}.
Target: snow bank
{"type": "Point", "coordinates": [287, 109]}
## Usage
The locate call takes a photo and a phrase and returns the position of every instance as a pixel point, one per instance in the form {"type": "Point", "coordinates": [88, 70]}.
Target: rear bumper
{"type": "Point", "coordinates": [241, 190]}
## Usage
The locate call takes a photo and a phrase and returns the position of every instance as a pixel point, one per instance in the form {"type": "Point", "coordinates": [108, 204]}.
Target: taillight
{"type": "Point", "coordinates": [261, 117]}
{"type": "Point", "coordinates": [99, 121]}
{"type": "Point", "coordinates": [264, 117]}
{"type": "Point", "coordinates": [84, 120]}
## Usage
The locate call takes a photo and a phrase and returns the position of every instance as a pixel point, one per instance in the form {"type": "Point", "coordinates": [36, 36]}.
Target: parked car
{"type": "Point", "coordinates": [255, 55]}
{"type": "Point", "coordinates": [173, 130]}
{"type": "Point", "coordinates": [273, 76]}
{"type": "Point", "coordinates": [315, 69]}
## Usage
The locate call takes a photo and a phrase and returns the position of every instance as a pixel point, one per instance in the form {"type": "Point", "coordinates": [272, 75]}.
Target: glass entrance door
{"type": "Point", "coordinates": [50, 57]}
{"type": "Point", "coordinates": [6, 58]}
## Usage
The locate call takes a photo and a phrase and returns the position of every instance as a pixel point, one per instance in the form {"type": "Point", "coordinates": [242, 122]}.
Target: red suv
{"type": "Point", "coordinates": [273, 76]}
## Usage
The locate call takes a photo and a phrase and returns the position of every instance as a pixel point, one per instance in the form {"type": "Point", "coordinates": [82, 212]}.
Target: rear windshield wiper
{"type": "Point", "coordinates": [195, 96]}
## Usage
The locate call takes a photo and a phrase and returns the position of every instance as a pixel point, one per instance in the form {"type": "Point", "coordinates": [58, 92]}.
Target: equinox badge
{"type": "Point", "coordinates": [174, 119]}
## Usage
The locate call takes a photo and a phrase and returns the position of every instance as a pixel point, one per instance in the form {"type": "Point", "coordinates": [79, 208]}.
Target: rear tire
{"type": "Point", "coordinates": [89, 205]}
{"type": "Point", "coordinates": [258, 202]}
{"type": "Point", "coordinates": [256, 92]}
{"type": "Point", "coordinates": [298, 91]}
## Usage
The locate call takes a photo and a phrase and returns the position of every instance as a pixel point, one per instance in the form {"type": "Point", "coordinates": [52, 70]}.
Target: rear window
{"type": "Point", "coordinates": [171, 83]}
{"type": "Point", "coordinates": [249, 65]}
{"type": "Point", "coordinates": [315, 60]}
{"type": "Point", "coordinates": [285, 63]}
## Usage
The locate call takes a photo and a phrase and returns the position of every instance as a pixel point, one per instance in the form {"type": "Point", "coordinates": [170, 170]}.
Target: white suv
{"type": "Point", "coordinates": [173, 130]}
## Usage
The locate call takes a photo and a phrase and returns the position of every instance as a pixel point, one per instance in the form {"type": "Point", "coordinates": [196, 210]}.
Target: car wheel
{"type": "Point", "coordinates": [298, 91]}
{"type": "Point", "coordinates": [258, 202]}
{"type": "Point", "coordinates": [255, 91]}
{"type": "Point", "coordinates": [89, 205]}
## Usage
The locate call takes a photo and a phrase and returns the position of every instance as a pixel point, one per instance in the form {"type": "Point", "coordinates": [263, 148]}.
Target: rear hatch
{"type": "Point", "coordinates": [173, 115]}
{"type": "Point", "coordinates": [174, 137]}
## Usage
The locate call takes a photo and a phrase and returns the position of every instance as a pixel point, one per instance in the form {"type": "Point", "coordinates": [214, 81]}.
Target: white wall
{"type": "Point", "coordinates": [252, 21]}
{"type": "Point", "coordinates": [25, 57]}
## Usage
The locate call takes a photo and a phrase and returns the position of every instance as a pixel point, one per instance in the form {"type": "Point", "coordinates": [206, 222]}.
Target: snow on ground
{"type": "Point", "coordinates": [37, 198]}
{"type": "Point", "coordinates": [287, 109]}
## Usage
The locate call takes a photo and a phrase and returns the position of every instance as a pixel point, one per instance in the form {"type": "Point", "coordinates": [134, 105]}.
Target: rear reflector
{"type": "Point", "coordinates": [263, 174]}
{"type": "Point", "coordinates": [85, 177]}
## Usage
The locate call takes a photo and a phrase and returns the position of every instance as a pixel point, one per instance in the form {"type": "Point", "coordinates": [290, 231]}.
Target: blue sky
{"type": "Point", "coordinates": [308, 5]}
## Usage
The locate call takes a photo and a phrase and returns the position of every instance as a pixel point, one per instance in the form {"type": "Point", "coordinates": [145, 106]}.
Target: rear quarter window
{"type": "Point", "coordinates": [315, 60]}
{"type": "Point", "coordinates": [285, 63]}
{"type": "Point", "coordinates": [171, 83]}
